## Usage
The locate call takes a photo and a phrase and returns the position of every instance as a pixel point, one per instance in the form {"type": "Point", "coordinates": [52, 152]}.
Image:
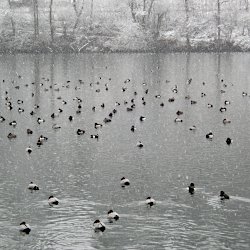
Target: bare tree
{"type": "Point", "coordinates": [36, 19]}
{"type": "Point", "coordinates": [51, 21]}
{"type": "Point", "coordinates": [13, 25]}
{"type": "Point", "coordinates": [78, 12]}
{"type": "Point", "coordinates": [187, 24]}
{"type": "Point", "coordinates": [132, 5]}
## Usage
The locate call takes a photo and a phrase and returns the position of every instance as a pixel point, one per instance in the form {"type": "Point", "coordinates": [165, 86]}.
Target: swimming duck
{"type": "Point", "coordinates": [142, 118]}
{"type": "Point", "coordinates": [2, 119]}
{"type": "Point", "coordinates": [209, 135]}
{"type": "Point", "coordinates": [226, 102]}
{"type": "Point", "coordinates": [106, 120]}
{"type": "Point", "coordinates": [20, 110]}
{"type": "Point", "coordinates": [193, 127]}
{"type": "Point", "coordinates": [193, 102]}
{"type": "Point", "coordinates": [19, 101]}
{"type": "Point", "coordinates": [80, 131]}
{"type": "Point", "coordinates": [125, 182]}
{"type": "Point", "coordinates": [24, 228]}
{"type": "Point", "coordinates": [158, 96]}
{"type": "Point", "coordinates": [70, 118]}
{"type": "Point", "coordinates": [56, 126]}
{"type": "Point", "coordinates": [29, 150]}
{"type": "Point", "coordinates": [11, 136]}
{"type": "Point", "coordinates": [225, 121]}
{"type": "Point", "coordinates": [39, 120]}
{"type": "Point", "coordinates": [150, 201]}
{"type": "Point", "coordinates": [33, 186]}
{"type": "Point", "coordinates": [223, 195]}
{"type": "Point", "coordinates": [229, 141]}
{"type": "Point", "coordinates": [178, 120]}
{"type": "Point", "coordinates": [191, 188]}
{"type": "Point", "coordinates": [53, 200]}
{"type": "Point", "coordinates": [13, 123]}
{"type": "Point", "coordinates": [98, 125]}
{"type": "Point", "coordinates": [94, 136]}
{"type": "Point", "coordinates": [99, 226]}
{"type": "Point", "coordinates": [171, 99]}
{"type": "Point", "coordinates": [133, 128]}
{"type": "Point", "coordinates": [29, 131]}
{"type": "Point", "coordinates": [112, 216]}
{"type": "Point", "coordinates": [139, 144]}
{"type": "Point", "coordinates": [129, 109]}
{"type": "Point", "coordinates": [162, 104]}
{"type": "Point", "coordinates": [244, 94]}
{"type": "Point", "coordinates": [210, 105]}
{"type": "Point", "coordinates": [223, 109]}
{"type": "Point", "coordinates": [179, 112]}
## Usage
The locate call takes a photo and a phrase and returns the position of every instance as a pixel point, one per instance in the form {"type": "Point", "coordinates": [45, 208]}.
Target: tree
{"type": "Point", "coordinates": [187, 24]}
{"type": "Point", "coordinates": [51, 21]}
{"type": "Point", "coordinates": [78, 12]}
{"type": "Point", "coordinates": [13, 25]}
{"type": "Point", "coordinates": [36, 19]}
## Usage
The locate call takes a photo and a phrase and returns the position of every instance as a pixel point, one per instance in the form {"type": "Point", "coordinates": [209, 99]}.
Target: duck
{"type": "Point", "coordinates": [125, 182]}
{"type": "Point", "coordinates": [158, 96]}
{"type": "Point", "coordinates": [80, 131]}
{"type": "Point", "coordinates": [191, 188]}
{"type": "Point", "coordinates": [223, 109]}
{"type": "Point", "coordinates": [193, 128]}
{"type": "Point", "coordinates": [19, 101]}
{"type": "Point", "coordinates": [70, 118]}
{"type": "Point", "coordinates": [29, 150]}
{"type": "Point", "coordinates": [13, 123]}
{"type": "Point", "coordinates": [179, 112]}
{"type": "Point", "coordinates": [193, 102]}
{"type": "Point", "coordinates": [209, 135]}
{"type": "Point", "coordinates": [225, 121]}
{"type": "Point", "coordinates": [99, 226]}
{"type": "Point", "coordinates": [162, 104]}
{"type": "Point", "coordinates": [133, 128]}
{"type": "Point", "coordinates": [24, 228]}
{"type": "Point", "coordinates": [98, 125]}
{"type": "Point", "coordinates": [150, 201]}
{"type": "Point", "coordinates": [210, 105]}
{"type": "Point", "coordinates": [40, 120]}
{"type": "Point", "coordinates": [20, 110]}
{"type": "Point", "coordinates": [29, 131]}
{"type": "Point", "coordinates": [226, 102]}
{"type": "Point", "coordinates": [178, 120]}
{"type": "Point", "coordinates": [2, 119]}
{"type": "Point", "coordinates": [94, 136]}
{"type": "Point", "coordinates": [11, 136]}
{"type": "Point", "coordinates": [244, 93]}
{"type": "Point", "coordinates": [106, 120]}
{"type": "Point", "coordinates": [142, 118]}
{"type": "Point", "coordinates": [112, 216]}
{"type": "Point", "coordinates": [172, 99]}
{"type": "Point", "coordinates": [56, 126]}
{"type": "Point", "coordinates": [229, 141]}
{"type": "Point", "coordinates": [53, 116]}
{"type": "Point", "coordinates": [139, 144]}
{"type": "Point", "coordinates": [33, 186]}
{"type": "Point", "coordinates": [223, 195]}
{"type": "Point", "coordinates": [53, 200]}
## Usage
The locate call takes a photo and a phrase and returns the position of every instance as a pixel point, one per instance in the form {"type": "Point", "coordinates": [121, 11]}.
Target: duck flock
{"type": "Point", "coordinates": [126, 105]}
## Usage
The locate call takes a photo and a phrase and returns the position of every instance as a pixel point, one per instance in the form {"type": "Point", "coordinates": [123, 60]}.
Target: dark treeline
{"type": "Point", "coordinates": [129, 25]}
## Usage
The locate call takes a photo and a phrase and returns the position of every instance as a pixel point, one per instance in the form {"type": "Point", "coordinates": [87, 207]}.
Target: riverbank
{"type": "Point", "coordinates": [104, 43]}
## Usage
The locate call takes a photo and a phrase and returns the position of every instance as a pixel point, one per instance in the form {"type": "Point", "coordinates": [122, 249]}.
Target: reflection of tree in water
{"type": "Point", "coordinates": [36, 78]}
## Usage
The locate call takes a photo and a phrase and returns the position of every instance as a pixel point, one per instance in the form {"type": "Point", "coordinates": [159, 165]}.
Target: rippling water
{"type": "Point", "coordinates": [84, 174]}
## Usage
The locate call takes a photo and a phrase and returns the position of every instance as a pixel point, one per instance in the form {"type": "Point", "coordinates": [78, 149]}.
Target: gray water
{"type": "Point", "coordinates": [84, 173]}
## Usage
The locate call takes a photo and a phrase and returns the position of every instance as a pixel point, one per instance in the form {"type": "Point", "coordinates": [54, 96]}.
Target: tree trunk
{"type": "Point", "coordinates": [158, 25]}
{"type": "Point", "coordinates": [36, 19]}
{"type": "Point", "coordinates": [187, 24]}
{"type": "Point", "coordinates": [78, 14]}
{"type": "Point", "coordinates": [91, 12]}
{"type": "Point", "coordinates": [13, 25]}
{"type": "Point", "coordinates": [218, 24]}
{"type": "Point", "coordinates": [51, 21]}
{"type": "Point", "coordinates": [132, 8]}
{"type": "Point", "coordinates": [144, 9]}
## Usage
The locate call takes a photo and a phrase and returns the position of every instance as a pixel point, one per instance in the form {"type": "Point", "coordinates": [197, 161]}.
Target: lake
{"type": "Point", "coordinates": [84, 173]}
